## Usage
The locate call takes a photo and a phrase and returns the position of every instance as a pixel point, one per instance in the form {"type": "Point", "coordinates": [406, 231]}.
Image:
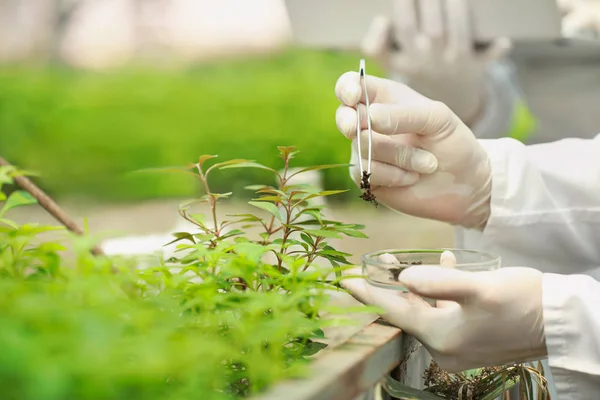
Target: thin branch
{"type": "Point", "coordinates": [49, 205]}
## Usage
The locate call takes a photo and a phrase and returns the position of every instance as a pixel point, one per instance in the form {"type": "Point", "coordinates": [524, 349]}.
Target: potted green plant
{"type": "Point", "coordinates": [234, 312]}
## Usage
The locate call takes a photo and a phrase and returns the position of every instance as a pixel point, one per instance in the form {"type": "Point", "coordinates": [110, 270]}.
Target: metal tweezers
{"type": "Point", "coordinates": [362, 77]}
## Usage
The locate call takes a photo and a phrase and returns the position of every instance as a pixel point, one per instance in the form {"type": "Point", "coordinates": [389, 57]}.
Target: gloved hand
{"type": "Point", "coordinates": [480, 319]}
{"type": "Point", "coordinates": [582, 18]}
{"type": "Point", "coordinates": [436, 56]}
{"type": "Point", "coordinates": [426, 161]}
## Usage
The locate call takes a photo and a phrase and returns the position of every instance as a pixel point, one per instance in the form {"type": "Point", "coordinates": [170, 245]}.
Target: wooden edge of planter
{"type": "Point", "coordinates": [347, 370]}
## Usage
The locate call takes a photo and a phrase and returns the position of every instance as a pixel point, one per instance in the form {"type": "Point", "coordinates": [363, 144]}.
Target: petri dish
{"type": "Point", "coordinates": [384, 272]}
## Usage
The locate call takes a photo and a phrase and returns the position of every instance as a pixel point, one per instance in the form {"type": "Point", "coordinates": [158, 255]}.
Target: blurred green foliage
{"type": "Point", "coordinates": [85, 131]}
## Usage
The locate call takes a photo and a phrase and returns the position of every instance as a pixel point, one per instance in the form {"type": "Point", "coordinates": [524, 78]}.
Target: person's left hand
{"type": "Point", "coordinates": [481, 318]}
{"type": "Point", "coordinates": [437, 55]}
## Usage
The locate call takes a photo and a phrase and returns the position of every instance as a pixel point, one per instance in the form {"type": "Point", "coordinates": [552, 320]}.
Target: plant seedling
{"type": "Point", "coordinates": [239, 306]}
{"type": "Point", "coordinates": [487, 383]}
{"type": "Point", "coordinates": [365, 183]}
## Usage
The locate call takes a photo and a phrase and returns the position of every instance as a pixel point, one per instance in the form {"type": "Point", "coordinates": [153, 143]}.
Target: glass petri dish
{"type": "Point", "coordinates": [384, 273]}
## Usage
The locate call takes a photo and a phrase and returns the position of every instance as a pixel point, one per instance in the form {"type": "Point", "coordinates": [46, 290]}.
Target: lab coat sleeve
{"type": "Point", "coordinates": [545, 203]}
{"type": "Point", "coordinates": [572, 328]}
{"type": "Point", "coordinates": [545, 212]}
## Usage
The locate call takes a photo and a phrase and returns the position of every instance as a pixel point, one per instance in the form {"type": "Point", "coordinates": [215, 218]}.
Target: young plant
{"type": "Point", "coordinates": [488, 383]}
{"type": "Point", "coordinates": [275, 250]}
{"type": "Point", "coordinates": [294, 241]}
{"type": "Point", "coordinates": [234, 312]}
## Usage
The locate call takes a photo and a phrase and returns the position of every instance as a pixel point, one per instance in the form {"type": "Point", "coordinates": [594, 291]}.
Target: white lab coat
{"type": "Point", "coordinates": [545, 214]}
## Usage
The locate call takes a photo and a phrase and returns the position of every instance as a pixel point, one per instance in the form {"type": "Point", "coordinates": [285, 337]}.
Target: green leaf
{"type": "Point", "coordinates": [51, 247]}
{"type": "Point", "coordinates": [230, 162]}
{"type": "Point", "coordinates": [334, 253]}
{"type": "Point", "coordinates": [323, 194]}
{"type": "Point", "coordinates": [398, 390]}
{"type": "Point", "coordinates": [249, 164]}
{"type": "Point", "coordinates": [205, 158]}
{"type": "Point", "coordinates": [319, 167]}
{"type": "Point", "coordinates": [9, 223]}
{"type": "Point", "coordinates": [471, 373]}
{"type": "Point", "coordinates": [255, 187]}
{"type": "Point", "coordinates": [36, 229]}
{"type": "Point", "coordinates": [264, 235]}
{"type": "Point", "coordinates": [221, 195]}
{"type": "Point", "coordinates": [287, 152]}
{"type": "Point", "coordinates": [246, 217]}
{"type": "Point", "coordinates": [299, 224]}
{"type": "Point", "coordinates": [312, 348]}
{"type": "Point", "coordinates": [332, 192]}
{"type": "Point", "coordinates": [315, 212]}
{"type": "Point", "coordinates": [227, 163]}
{"type": "Point", "coordinates": [354, 226]}
{"type": "Point", "coordinates": [232, 233]}
{"type": "Point", "coordinates": [307, 238]}
{"type": "Point", "coordinates": [273, 190]}
{"type": "Point", "coordinates": [318, 334]}
{"type": "Point", "coordinates": [502, 384]}
{"type": "Point", "coordinates": [199, 218]}
{"type": "Point", "coordinates": [352, 233]}
{"type": "Point", "coordinates": [204, 236]}
{"type": "Point", "coordinates": [182, 236]}
{"type": "Point", "coordinates": [270, 207]}
{"type": "Point", "coordinates": [269, 198]}
{"type": "Point", "coordinates": [18, 199]}
{"type": "Point", "coordinates": [323, 233]}
{"type": "Point", "coordinates": [7, 173]}
{"type": "Point", "coordinates": [335, 260]}
{"type": "Point", "coordinates": [251, 251]}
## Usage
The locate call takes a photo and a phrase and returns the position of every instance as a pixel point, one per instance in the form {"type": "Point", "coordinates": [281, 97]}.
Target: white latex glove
{"type": "Point", "coordinates": [582, 18]}
{"type": "Point", "coordinates": [480, 319]}
{"type": "Point", "coordinates": [436, 55]}
{"type": "Point", "coordinates": [426, 161]}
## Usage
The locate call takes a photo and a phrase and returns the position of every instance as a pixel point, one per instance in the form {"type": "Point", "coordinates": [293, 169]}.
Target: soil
{"type": "Point", "coordinates": [365, 185]}
{"type": "Point", "coordinates": [396, 271]}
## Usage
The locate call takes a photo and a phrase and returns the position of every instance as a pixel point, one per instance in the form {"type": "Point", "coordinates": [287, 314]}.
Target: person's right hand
{"type": "Point", "coordinates": [426, 161]}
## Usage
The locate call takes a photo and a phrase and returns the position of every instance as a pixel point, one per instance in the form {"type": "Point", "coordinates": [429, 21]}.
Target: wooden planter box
{"type": "Point", "coordinates": [352, 367]}
{"type": "Point", "coordinates": [348, 369]}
